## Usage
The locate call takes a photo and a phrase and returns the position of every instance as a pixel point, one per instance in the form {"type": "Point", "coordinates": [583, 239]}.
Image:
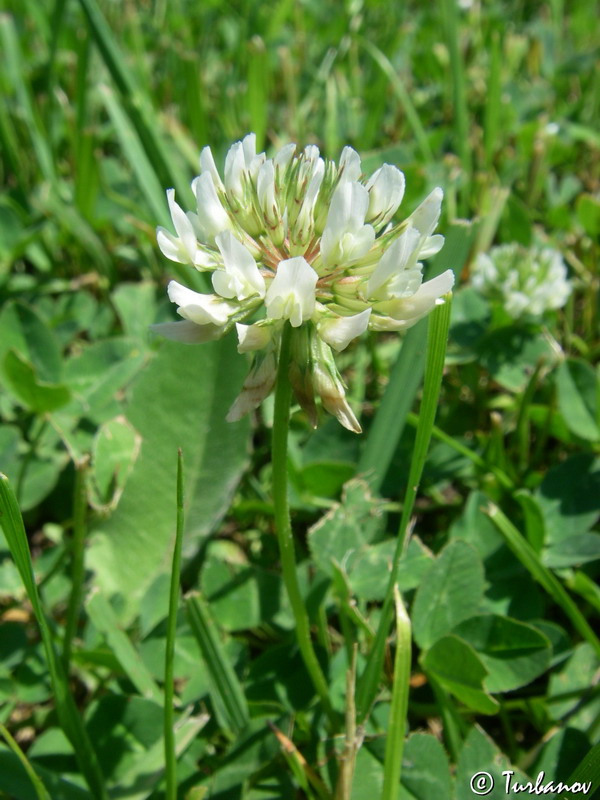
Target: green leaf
{"type": "Point", "coordinates": [367, 572]}
{"type": "Point", "coordinates": [21, 379]}
{"type": "Point", "coordinates": [458, 668]}
{"type": "Point", "coordinates": [425, 770]}
{"type": "Point", "coordinates": [23, 330]}
{"type": "Point", "coordinates": [578, 549]}
{"type": "Point", "coordinates": [513, 653]}
{"type": "Point", "coordinates": [344, 533]}
{"type": "Point", "coordinates": [578, 393]}
{"type": "Point", "coordinates": [588, 214]}
{"type": "Point", "coordinates": [569, 497]}
{"type": "Point", "coordinates": [180, 400]}
{"type": "Point", "coordinates": [450, 592]}
{"type": "Point", "coordinates": [479, 754]}
{"type": "Point", "coordinates": [511, 354]}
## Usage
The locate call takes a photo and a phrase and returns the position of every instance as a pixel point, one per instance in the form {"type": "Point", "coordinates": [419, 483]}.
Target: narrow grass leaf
{"type": "Point", "coordinates": [439, 323]}
{"type": "Point", "coordinates": [540, 573]}
{"type": "Point", "coordinates": [587, 771]}
{"type": "Point", "coordinates": [394, 745]}
{"type": "Point", "coordinates": [70, 721]}
{"type": "Point", "coordinates": [104, 619]}
{"type": "Point", "coordinates": [227, 693]}
{"type": "Point", "coordinates": [37, 784]}
{"type": "Point", "coordinates": [403, 95]}
{"type": "Point", "coordinates": [148, 181]}
{"type": "Point", "coordinates": [169, 735]}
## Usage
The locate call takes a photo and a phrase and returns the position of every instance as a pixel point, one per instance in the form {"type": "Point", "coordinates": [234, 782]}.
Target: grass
{"type": "Point", "coordinates": [105, 107]}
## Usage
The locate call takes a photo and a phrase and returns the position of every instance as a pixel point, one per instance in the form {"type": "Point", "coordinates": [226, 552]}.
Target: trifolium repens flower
{"type": "Point", "coordinates": [526, 282]}
{"type": "Point", "coordinates": [301, 240]}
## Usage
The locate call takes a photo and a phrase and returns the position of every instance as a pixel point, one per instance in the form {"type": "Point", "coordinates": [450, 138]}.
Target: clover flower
{"type": "Point", "coordinates": [300, 239]}
{"type": "Point", "coordinates": [527, 282]}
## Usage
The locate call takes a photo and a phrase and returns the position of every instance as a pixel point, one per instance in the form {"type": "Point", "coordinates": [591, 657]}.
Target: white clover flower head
{"type": "Point", "coordinates": [300, 239]}
{"type": "Point", "coordinates": [527, 282]}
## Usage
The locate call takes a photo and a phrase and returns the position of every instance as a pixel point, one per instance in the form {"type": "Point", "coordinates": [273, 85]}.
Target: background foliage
{"type": "Point", "coordinates": [105, 105]}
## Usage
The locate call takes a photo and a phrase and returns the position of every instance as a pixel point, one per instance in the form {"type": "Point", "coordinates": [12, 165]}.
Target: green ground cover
{"type": "Point", "coordinates": [107, 104]}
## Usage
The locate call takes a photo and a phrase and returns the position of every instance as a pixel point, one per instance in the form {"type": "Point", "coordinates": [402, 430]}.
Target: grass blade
{"type": "Point", "coordinates": [227, 693]}
{"type": "Point", "coordinates": [439, 322]}
{"type": "Point", "coordinates": [39, 787]}
{"type": "Point", "coordinates": [587, 771]}
{"type": "Point", "coordinates": [405, 378]}
{"type": "Point", "coordinates": [77, 559]}
{"type": "Point", "coordinates": [70, 721]}
{"type": "Point", "coordinates": [394, 745]}
{"type": "Point", "coordinates": [169, 732]}
{"type": "Point", "coordinates": [104, 619]}
{"type": "Point", "coordinates": [540, 573]}
{"type": "Point", "coordinates": [403, 95]}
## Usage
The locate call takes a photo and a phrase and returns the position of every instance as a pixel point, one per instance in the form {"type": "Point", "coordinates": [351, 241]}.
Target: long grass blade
{"type": "Point", "coordinates": [104, 619]}
{"type": "Point", "coordinates": [540, 573]}
{"type": "Point", "coordinates": [227, 693]}
{"type": "Point", "coordinates": [70, 721]}
{"type": "Point", "coordinates": [394, 745]}
{"type": "Point", "coordinates": [169, 716]}
{"type": "Point", "coordinates": [37, 784]}
{"type": "Point", "coordinates": [439, 322]}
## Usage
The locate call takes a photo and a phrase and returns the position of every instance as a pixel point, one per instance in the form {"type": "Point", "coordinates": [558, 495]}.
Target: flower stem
{"type": "Point", "coordinates": [283, 393]}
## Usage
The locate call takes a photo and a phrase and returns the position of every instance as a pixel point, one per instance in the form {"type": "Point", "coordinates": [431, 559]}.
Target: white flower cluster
{"type": "Point", "coordinates": [527, 282]}
{"type": "Point", "coordinates": [309, 242]}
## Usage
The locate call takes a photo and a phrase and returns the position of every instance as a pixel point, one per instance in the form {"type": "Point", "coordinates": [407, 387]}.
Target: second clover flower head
{"type": "Point", "coordinates": [298, 239]}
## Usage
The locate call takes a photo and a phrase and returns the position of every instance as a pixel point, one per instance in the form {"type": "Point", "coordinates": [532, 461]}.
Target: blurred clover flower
{"type": "Point", "coordinates": [303, 240]}
{"type": "Point", "coordinates": [527, 282]}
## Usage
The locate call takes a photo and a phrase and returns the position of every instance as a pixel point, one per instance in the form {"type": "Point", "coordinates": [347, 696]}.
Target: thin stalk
{"type": "Point", "coordinates": [77, 559]}
{"type": "Point", "coordinates": [283, 393]}
{"type": "Point", "coordinates": [169, 717]}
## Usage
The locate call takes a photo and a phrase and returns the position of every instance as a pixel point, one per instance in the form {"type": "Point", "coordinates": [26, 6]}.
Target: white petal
{"type": "Point", "coordinates": [291, 295]}
{"type": "Point", "coordinates": [349, 169]}
{"type": "Point", "coordinates": [234, 167]}
{"type": "Point", "coordinates": [340, 331]}
{"type": "Point", "coordinates": [426, 216]}
{"type": "Point", "coordinates": [183, 227]}
{"type": "Point", "coordinates": [405, 312]}
{"type": "Point", "coordinates": [431, 246]}
{"type": "Point", "coordinates": [171, 246]}
{"type": "Point", "coordinates": [212, 217]}
{"type": "Point", "coordinates": [284, 156]}
{"type": "Point", "coordinates": [265, 190]}
{"type": "Point", "coordinates": [249, 148]}
{"type": "Point", "coordinates": [241, 277]}
{"type": "Point", "coordinates": [187, 332]}
{"type": "Point", "coordinates": [386, 190]}
{"type": "Point", "coordinates": [200, 308]}
{"type": "Point", "coordinates": [252, 337]}
{"type": "Point", "coordinates": [207, 164]}
{"type": "Point", "coordinates": [394, 260]}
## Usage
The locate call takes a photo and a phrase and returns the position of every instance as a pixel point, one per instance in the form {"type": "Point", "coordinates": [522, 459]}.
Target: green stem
{"type": "Point", "coordinates": [77, 559]}
{"type": "Point", "coordinates": [169, 717]}
{"type": "Point", "coordinates": [283, 393]}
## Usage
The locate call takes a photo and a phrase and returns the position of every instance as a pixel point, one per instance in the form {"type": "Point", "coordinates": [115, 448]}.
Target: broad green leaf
{"type": "Point", "coordinates": [23, 330]}
{"type": "Point", "coordinates": [345, 532]}
{"type": "Point", "coordinates": [588, 213]}
{"type": "Point", "coordinates": [180, 400]}
{"type": "Point", "coordinates": [480, 755]}
{"type": "Point", "coordinates": [561, 753]}
{"type": "Point", "coordinates": [513, 653]}
{"type": "Point", "coordinates": [450, 592]}
{"type": "Point", "coordinates": [14, 781]}
{"type": "Point", "coordinates": [99, 372]}
{"type": "Point", "coordinates": [369, 572]}
{"type": "Point", "coordinates": [368, 775]}
{"type": "Point", "coordinates": [578, 549]}
{"type": "Point", "coordinates": [569, 688]}
{"type": "Point", "coordinates": [458, 668]}
{"type": "Point", "coordinates": [569, 497]}
{"type": "Point", "coordinates": [511, 354]}
{"type": "Point", "coordinates": [578, 394]}
{"type": "Point", "coordinates": [20, 377]}
{"type": "Point", "coordinates": [136, 306]}
{"type": "Point", "coordinates": [425, 769]}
